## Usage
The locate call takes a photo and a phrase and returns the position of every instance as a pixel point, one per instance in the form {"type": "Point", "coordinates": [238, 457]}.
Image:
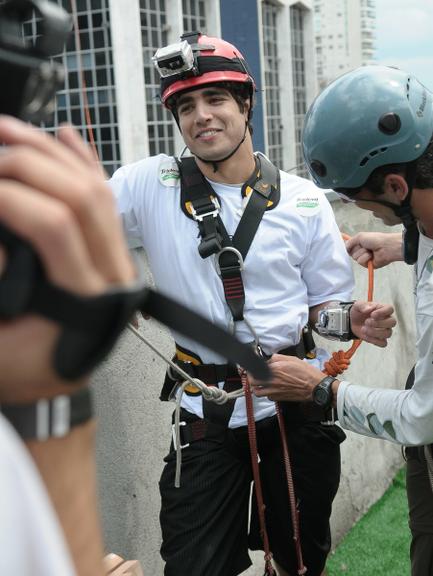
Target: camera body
{"type": "Point", "coordinates": [28, 82]}
{"type": "Point", "coordinates": [175, 59]}
{"type": "Point", "coordinates": [30, 79]}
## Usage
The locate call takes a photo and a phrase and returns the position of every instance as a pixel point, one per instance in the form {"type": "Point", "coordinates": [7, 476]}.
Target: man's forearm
{"type": "Point", "coordinates": [67, 466]}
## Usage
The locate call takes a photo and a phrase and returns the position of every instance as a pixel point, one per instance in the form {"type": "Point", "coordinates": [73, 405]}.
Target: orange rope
{"type": "Point", "coordinates": [340, 360]}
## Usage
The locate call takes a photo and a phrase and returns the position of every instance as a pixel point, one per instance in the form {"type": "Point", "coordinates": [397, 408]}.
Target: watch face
{"type": "Point", "coordinates": [321, 396]}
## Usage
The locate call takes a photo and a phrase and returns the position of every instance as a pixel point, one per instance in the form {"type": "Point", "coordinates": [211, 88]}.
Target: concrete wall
{"type": "Point", "coordinates": [134, 429]}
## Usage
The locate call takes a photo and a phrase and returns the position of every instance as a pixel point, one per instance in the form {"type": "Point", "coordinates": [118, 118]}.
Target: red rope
{"type": "Point", "coordinates": [269, 569]}
{"type": "Point", "coordinates": [291, 490]}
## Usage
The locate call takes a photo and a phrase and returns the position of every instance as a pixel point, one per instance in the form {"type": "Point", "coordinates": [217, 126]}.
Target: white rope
{"type": "Point", "coordinates": [210, 393]}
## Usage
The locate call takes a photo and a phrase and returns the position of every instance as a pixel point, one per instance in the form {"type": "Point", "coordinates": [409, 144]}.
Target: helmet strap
{"type": "Point", "coordinates": [404, 212]}
{"type": "Point", "coordinates": [411, 232]}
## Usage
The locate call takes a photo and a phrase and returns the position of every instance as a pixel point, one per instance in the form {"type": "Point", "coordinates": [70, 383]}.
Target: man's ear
{"type": "Point", "coordinates": [396, 185]}
{"type": "Point", "coordinates": [247, 106]}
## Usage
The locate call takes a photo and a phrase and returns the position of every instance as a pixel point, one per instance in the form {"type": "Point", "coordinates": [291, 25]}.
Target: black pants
{"type": "Point", "coordinates": [420, 500]}
{"type": "Point", "coordinates": [205, 521]}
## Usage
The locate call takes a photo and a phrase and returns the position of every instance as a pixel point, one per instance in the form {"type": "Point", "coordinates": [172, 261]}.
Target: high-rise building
{"type": "Point", "coordinates": [112, 85]}
{"type": "Point", "coordinates": [345, 36]}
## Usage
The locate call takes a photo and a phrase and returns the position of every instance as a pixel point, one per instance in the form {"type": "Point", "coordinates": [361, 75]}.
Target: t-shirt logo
{"type": "Point", "coordinates": [169, 174]}
{"type": "Point", "coordinates": [307, 205]}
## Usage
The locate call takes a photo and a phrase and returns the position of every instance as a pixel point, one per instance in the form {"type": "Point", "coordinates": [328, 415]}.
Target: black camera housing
{"type": "Point", "coordinates": [28, 82]}
{"type": "Point", "coordinates": [28, 79]}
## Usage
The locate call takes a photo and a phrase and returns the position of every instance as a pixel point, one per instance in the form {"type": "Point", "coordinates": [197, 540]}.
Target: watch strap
{"type": "Point", "coordinates": [348, 306]}
{"type": "Point", "coordinates": [326, 384]}
{"type": "Point", "coordinates": [50, 418]}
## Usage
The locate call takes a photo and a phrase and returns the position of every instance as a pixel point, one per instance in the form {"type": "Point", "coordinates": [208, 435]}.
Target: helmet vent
{"type": "Point", "coordinates": [318, 168]}
{"type": "Point", "coordinates": [372, 154]}
{"type": "Point", "coordinates": [389, 123]}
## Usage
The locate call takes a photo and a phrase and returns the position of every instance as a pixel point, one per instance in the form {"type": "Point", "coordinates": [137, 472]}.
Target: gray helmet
{"type": "Point", "coordinates": [370, 117]}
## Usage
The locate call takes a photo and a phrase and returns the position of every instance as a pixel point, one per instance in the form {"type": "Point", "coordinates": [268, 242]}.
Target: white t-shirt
{"type": "Point", "coordinates": [31, 540]}
{"type": "Point", "coordinates": [296, 260]}
{"type": "Point", "coordinates": [404, 416]}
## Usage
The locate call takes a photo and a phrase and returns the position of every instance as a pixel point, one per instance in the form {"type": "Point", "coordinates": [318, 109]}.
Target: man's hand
{"type": "Point", "coordinates": [380, 247]}
{"type": "Point", "coordinates": [292, 380]}
{"type": "Point", "coordinates": [53, 195]}
{"type": "Point", "coordinates": [372, 322]}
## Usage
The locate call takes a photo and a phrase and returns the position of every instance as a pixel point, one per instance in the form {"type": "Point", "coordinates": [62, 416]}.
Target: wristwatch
{"type": "Point", "coordinates": [322, 393]}
{"type": "Point", "coordinates": [334, 322]}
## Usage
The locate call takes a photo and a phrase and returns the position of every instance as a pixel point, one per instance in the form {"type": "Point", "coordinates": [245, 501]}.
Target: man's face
{"type": "Point", "coordinates": [210, 121]}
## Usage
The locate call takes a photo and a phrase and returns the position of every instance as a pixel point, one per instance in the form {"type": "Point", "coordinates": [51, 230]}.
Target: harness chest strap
{"type": "Point", "coordinates": [200, 202]}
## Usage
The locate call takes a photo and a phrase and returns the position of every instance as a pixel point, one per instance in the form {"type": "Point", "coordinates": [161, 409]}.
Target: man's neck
{"type": "Point", "coordinates": [235, 170]}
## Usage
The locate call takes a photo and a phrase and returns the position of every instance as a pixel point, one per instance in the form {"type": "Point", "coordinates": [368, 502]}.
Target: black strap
{"type": "Point", "coordinates": [201, 429]}
{"type": "Point", "coordinates": [212, 374]}
{"type": "Point", "coordinates": [192, 325]}
{"type": "Point", "coordinates": [51, 418]}
{"type": "Point", "coordinates": [199, 201]}
{"type": "Point", "coordinates": [91, 325]}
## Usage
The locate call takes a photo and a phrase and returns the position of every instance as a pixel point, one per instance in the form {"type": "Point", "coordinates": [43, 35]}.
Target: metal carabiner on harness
{"type": "Point", "coordinates": [228, 249]}
{"type": "Point", "coordinates": [255, 345]}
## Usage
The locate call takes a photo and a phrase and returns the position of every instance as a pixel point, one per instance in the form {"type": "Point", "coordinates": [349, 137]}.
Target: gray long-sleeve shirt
{"type": "Point", "coordinates": [403, 416]}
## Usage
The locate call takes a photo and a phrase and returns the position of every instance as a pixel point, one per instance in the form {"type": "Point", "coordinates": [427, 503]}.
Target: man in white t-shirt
{"type": "Point", "coordinates": [256, 250]}
{"type": "Point", "coordinates": [381, 158]}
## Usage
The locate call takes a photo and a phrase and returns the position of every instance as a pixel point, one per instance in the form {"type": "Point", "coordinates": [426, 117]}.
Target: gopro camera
{"type": "Point", "coordinates": [25, 68]}
{"type": "Point", "coordinates": [334, 322]}
{"type": "Point", "coordinates": [175, 59]}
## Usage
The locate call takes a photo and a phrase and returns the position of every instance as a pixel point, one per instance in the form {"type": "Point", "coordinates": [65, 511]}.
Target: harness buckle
{"type": "Point", "coordinates": [174, 435]}
{"type": "Point", "coordinates": [211, 244]}
{"type": "Point", "coordinates": [214, 213]}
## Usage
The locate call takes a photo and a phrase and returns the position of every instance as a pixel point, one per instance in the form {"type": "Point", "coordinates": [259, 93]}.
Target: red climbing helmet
{"type": "Point", "coordinates": [198, 60]}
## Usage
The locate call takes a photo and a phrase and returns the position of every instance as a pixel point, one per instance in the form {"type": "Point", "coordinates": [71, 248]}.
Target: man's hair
{"type": "Point", "coordinates": [240, 93]}
{"type": "Point", "coordinates": [375, 182]}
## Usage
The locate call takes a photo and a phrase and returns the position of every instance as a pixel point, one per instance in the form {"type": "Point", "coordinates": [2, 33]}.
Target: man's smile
{"type": "Point", "coordinates": [207, 134]}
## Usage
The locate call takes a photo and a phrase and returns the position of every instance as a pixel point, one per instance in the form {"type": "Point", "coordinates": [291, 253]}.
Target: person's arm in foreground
{"type": "Point", "coordinates": [52, 195]}
{"type": "Point", "coordinates": [403, 416]}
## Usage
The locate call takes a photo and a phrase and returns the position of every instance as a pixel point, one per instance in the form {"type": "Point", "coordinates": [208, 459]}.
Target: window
{"type": "Point", "coordinates": [93, 15]}
{"type": "Point", "coordinates": [299, 83]}
{"type": "Point", "coordinates": [153, 19]}
{"type": "Point", "coordinates": [194, 15]}
{"type": "Point", "coordinates": [272, 88]}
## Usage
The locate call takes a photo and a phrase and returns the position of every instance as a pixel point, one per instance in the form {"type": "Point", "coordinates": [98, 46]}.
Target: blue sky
{"type": "Point", "coordinates": [405, 36]}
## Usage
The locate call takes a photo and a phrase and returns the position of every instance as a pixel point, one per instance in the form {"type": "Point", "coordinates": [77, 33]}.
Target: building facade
{"type": "Point", "coordinates": [112, 86]}
{"type": "Point", "coordinates": [345, 33]}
